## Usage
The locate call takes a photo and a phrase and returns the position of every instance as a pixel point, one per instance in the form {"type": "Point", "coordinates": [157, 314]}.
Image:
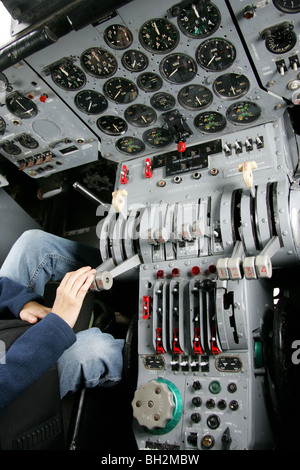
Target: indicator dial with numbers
{"type": "Point", "coordinates": [68, 76]}
{"type": "Point", "coordinates": [134, 61]}
{"type": "Point", "coordinates": [157, 137]}
{"type": "Point", "coordinates": [199, 19]}
{"type": "Point", "coordinates": [140, 115]}
{"type": "Point", "coordinates": [90, 102]}
{"type": "Point", "coordinates": [120, 90]}
{"type": "Point", "coordinates": [98, 62]}
{"type": "Point", "coordinates": [112, 125]}
{"type": "Point", "coordinates": [163, 101]}
{"type": "Point", "coordinates": [215, 54]}
{"type": "Point", "coordinates": [210, 122]}
{"type": "Point", "coordinates": [195, 97]}
{"type": "Point", "coordinates": [130, 145]}
{"type": "Point", "coordinates": [21, 106]}
{"type": "Point", "coordinates": [118, 36]}
{"type": "Point", "coordinates": [149, 81]}
{"type": "Point", "coordinates": [178, 68]}
{"type": "Point", "coordinates": [243, 112]}
{"type": "Point", "coordinates": [159, 35]}
{"type": "Point", "coordinates": [231, 86]}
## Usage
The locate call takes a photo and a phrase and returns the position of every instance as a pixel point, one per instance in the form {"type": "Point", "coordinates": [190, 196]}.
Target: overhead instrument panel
{"type": "Point", "coordinates": [142, 82]}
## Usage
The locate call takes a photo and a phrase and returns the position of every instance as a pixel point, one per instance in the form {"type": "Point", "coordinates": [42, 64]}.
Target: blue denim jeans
{"type": "Point", "coordinates": [95, 359]}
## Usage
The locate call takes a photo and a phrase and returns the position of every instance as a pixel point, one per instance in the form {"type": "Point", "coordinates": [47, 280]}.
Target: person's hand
{"type": "Point", "coordinates": [71, 293]}
{"type": "Point", "coordinates": [33, 311]}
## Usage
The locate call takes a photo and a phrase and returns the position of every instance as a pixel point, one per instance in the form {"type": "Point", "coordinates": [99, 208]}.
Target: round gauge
{"type": "Point", "coordinates": [118, 36]}
{"type": "Point", "coordinates": [243, 112]}
{"type": "Point", "coordinates": [281, 40]}
{"type": "Point", "coordinates": [210, 122]}
{"type": "Point", "coordinates": [163, 101]}
{"type": "Point", "coordinates": [130, 145]}
{"type": "Point", "coordinates": [159, 35]}
{"type": "Point", "coordinates": [157, 137]}
{"type": "Point", "coordinates": [11, 148]}
{"type": "Point", "coordinates": [195, 97]}
{"type": "Point", "coordinates": [98, 62]}
{"type": "Point", "coordinates": [231, 86]}
{"type": "Point", "coordinates": [21, 106]}
{"type": "Point", "coordinates": [68, 76]}
{"type": "Point", "coordinates": [90, 102]}
{"type": "Point", "coordinates": [178, 68]}
{"type": "Point", "coordinates": [120, 90]}
{"type": "Point", "coordinates": [140, 115]}
{"type": "Point", "coordinates": [2, 125]}
{"type": "Point", "coordinates": [134, 61]}
{"type": "Point", "coordinates": [149, 81]}
{"type": "Point", "coordinates": [199, 19]}
{"type": "Point", "coordinates": [27, 141]}
{"type": "Point", "coordinates": [112, 125]}
{"type": "Point", "coordinates": [287, 6]}
{"type": "Point", "coordinates": [215, 54]}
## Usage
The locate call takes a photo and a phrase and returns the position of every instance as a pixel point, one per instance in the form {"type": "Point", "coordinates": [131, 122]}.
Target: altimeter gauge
{"type": "Point", "coordinates": [199, 19]}
{"type": "Point", "coordinates": [159, 35]}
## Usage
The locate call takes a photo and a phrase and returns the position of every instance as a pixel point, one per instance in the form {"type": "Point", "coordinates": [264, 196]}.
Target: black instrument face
{"type": "Point", "coordinates": [68, 77]}
{"type": "Point", "coordinates": [287, 6]}
{"type": "Point", "coordinates": [130, 145]}
{"type": "Point", "coordinates": [90, 102]}
{"type": "Point", "coordinates": [159, 36]}
{"type": "Point", "coordinates": [98, 62]}
{"type": "Point", "coordinates": [210, 122]}
{"type": "Point", "coordinates": [178, 68]}
{"type": "Point", "coordinates": [21, 106]}
{"type": "Point", "coordinates": [118, 36]}
{"type": "Point", "coordinates": [163, 101]}
{"type": "Point", "coordinates": [11, 148]}
{"type": "Point", "coordinates": [195, 97]}
{"type": "Point", "coordinates": [157, 137]}
{"type": "Point", "coordinates": [243, 112]}
{"type": "Point", "coordinates": [149, 81]}
{"type": "Point", "coordinates": [281, 41]}
{"type": "Point", "coordinates": [120, 90]}
{"type": "Point", "coordinates": [215, 54]}
{"type": "Point", "coordinates": [231, 86]}
{"type": "Point", "coordinates": [134, 61]}
{"type": "Point", "coordinates": [140, 115]}
{"type": "Point", "coordinates": [112, 125]}
{"type": "Point", "coordinates": [199, 19]}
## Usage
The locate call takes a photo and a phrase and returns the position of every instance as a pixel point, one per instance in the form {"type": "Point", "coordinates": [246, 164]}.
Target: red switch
{"type": "Point", "coordinates": [43, 98]}
{"type": "Point", "coordinates": [181, 147]}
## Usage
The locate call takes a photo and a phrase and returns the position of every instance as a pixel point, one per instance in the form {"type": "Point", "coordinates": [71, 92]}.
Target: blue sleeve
{"type": "Point", "coordinates": [13, 296]}
{"type": "Point", "coordinates": [32, 354]}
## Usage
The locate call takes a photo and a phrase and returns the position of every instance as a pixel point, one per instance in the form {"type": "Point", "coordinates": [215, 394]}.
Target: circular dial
{"type": "Point", "coordinates": [243, 112]}
{"type": "Point", "coordinates": [130, 145]}
{"type": "Point", "coordinates": [149, 81]}
{"type": "Point", "coordinates": [157, 137]}
{"type": "Point", "coordinates": [112, 125]}
{"type": "Point", "coordinates": [195, 97]}
{"type": "Point", "coordinates": [159, 35]}
{"type": "Point", "coordinates": [120, 90]}
{"type": "Point", "coordinates": [163, 101]}
{"type": "Point", "coordinates": [280, 41]}
{"type": "Point", "coordinates": [215, 54]}
{"type": "Point", "coordinates": [27, 141]}
{"type": "Point", "coordinates": [178, 68]}
{"type": "Point", "coordinates": [4, 84]}
{"type": "Point", "coordinates": [288, 6]}
{"type": "Point", "coordinates": [231, 86]}
{"type": "Point", "coordinates": [199, 19]}
{"type": "Point", "coordinates": [2, 125]}
{"type": "Point", "coordinates": [21, 106]}
{"type": "Point", "coordinates": [134, 61]}
{"type": "Point", "coordinates": [210, 122]}
{"type": "Point", "coordinates": [11, 148]}
{"type": "Point", "coordinates": [117, 36]}
{"type": "Point", "coordinates": [98, 62]}
{"type": "Point", "coordinates": [90, 102]}
{"type": "Point", "coordinates": [68, 76]}
{"type": "Point", "coordinates": [140, 115]}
